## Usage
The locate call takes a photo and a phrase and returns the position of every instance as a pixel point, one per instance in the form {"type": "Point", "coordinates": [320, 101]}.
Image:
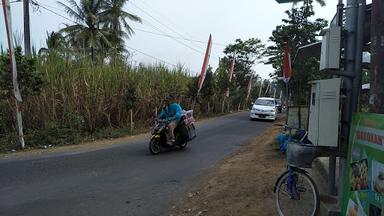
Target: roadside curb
{"type": "Point", "coordinates": [321, 164]}
{"type": "Point", "coordinates": [328, 204]}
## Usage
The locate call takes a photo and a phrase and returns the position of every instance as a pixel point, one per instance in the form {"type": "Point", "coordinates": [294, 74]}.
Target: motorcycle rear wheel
{"type": "Point", "coordinates": [155, 146]}
{"type": "Point", "coordinates": [183, 145]}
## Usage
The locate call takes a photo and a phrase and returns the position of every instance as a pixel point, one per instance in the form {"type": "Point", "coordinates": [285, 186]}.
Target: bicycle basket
{"type": "Point", "coordinates": [300, 155]}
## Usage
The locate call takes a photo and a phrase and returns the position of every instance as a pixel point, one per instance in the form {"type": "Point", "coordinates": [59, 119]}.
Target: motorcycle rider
{"type": "Point", "coordinates": [171, 112]}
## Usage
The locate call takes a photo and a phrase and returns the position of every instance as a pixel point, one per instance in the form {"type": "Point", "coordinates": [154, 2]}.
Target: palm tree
{"type": "Point", "coordinates": [115, 18]}
{"type": "Point", "coordinates": [55, 44]}
{"type": "Point", "coordinates": [86, 32]}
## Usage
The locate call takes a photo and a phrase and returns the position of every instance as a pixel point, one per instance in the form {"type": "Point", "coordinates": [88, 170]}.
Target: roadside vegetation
{"type": "Point", "coordinates": [82, 86]}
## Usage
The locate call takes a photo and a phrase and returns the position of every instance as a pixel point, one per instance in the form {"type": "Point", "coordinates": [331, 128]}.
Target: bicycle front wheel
{"type": "Point", "coordinates": [298, 197]}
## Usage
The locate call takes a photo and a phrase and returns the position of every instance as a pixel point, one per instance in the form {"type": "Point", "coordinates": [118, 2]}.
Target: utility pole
{"type": "Point", "coordinates": [27, 32]}
{"type": "Point", "coordinates": [355, 13]}
{"type": "Point", "coordinates": [376, 100]}
{"type": "Point", "coordinates": [359, 53]}
{"type": "Point", "coordinates": [332, 158]}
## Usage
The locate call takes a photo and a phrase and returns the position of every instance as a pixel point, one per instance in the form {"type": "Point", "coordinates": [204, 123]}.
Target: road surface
{"type": "Point", "coordinates": [118, 180]}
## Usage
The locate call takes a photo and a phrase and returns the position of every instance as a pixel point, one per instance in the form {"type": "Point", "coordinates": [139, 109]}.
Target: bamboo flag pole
{"type": "Point", "coordinates": [203, 70]}
{"type": "Point", "coordinates": [267, 89]}
{"type": "Point", "coordinates": [249, 89]}
{"type": "Point", "coordinates": [16, 91]}
{"type": "Point", "coordinates": [274, 92]}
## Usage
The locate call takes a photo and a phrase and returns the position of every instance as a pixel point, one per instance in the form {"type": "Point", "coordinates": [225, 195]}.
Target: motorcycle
{"type": "Point", "coordinates": [184, 132]}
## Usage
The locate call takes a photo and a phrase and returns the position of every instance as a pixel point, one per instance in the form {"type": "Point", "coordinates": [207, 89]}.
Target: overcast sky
{"type": "Point", "coordinates": [192, 19]}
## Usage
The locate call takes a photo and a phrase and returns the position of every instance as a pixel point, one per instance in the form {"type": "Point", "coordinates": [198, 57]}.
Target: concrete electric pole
{"type": "Point", "coordinates": [376, 100]}
{"type": "Point", "coordinates": [27, 32]}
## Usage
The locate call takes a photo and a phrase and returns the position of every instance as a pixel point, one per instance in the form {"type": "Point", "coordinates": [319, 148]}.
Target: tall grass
{"type": "Point", "coordinates": [85, 99]}
{"type": "Point", "coordinates": [82, 98]}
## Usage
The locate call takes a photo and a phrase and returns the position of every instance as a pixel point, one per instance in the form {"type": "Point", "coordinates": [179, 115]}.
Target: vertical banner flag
{"type": "Point", "coordinates": [230, 73]}
{"type": "Point", "coordinates": [8, 27]}
{"type": "Point", "coordinates": [287, 64]}
{"type": "Point", "coordinates": [249, 87]}
{"type": "Point", "coordinates": [12, 59]}
{"type": "Point", "coordinates": [205, 64]}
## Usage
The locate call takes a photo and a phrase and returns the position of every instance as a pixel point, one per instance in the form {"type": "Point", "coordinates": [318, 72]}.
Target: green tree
{"type": "Point", "coordinates": [87, 31]}
{"type": "Point", "coordinates": [115, 19]}
{"type": "Point", "coordinates": [55, 43]}
{"type": "Point", "coordinates": [248, 52]}
{"type": "Point", "coordinates": [207, 93]}
{"type": "Point", "coordinates": [296, 31]}
{"type": "Point", "coordinates": [30, 79]}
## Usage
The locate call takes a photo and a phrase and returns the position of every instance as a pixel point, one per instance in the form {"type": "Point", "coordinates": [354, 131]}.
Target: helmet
{"type": "Point", "coordinates": [168, 98]}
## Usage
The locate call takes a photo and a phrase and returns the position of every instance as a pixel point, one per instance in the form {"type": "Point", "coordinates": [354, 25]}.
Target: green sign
{"type": "Point", "coordinates": [364, 181]}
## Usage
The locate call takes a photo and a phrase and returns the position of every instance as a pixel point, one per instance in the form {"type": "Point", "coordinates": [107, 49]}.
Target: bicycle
{"type": "Point", "coordinates": [295, 191]}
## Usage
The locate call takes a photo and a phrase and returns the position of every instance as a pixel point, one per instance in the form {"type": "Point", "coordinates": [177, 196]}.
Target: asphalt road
{"type": "Point", "coordinates": [119, 180]}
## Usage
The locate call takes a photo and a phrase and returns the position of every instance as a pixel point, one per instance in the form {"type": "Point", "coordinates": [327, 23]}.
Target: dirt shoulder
{"type": "Point", "coordinates": [242, 184]}
{"type": "Point", "coordinates": [83, 146]}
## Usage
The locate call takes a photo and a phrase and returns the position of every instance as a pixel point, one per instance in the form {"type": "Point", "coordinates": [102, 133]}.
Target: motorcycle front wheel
{"type": "Point", "coordinates": [155, 146]}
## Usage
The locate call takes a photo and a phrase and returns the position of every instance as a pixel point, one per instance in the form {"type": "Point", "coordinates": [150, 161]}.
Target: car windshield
{"type": "Point", "coordinates": [263, 102]}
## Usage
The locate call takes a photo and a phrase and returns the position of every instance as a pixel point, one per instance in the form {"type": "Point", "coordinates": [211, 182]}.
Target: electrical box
{"type": "Point", "coordinates": [323, 125]}
{"type": "Point", "coordinates": [330, 48]}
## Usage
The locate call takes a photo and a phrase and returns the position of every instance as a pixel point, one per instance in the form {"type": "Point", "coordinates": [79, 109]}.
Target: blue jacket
{"type": "Point", "coordinates": [172, 111]}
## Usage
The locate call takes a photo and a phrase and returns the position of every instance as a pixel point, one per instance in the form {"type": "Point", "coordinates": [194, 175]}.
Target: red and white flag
{"type": "Point", "coordinates": [205, 64]}
{"type": "Point", "coordinates": [287, 70]}
{"type": "Point", "coordinates": [230, 73]}
{"type": "Point", "coordinates": [249, 87]}
{"type": "Point", "coordinates": [8, 27]}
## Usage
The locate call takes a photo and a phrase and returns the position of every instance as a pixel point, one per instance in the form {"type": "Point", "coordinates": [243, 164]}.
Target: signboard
{"type": "Point", "coordinates": [364, 181]}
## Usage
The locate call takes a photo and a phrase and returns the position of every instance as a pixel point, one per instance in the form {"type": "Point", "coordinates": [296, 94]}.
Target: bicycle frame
{"type": "Point", "coordinates": [292, 185]}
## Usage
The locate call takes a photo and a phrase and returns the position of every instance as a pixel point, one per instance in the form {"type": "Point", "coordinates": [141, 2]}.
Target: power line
{"type": "Point", "coordinates": [146, 54]}
{"type": "Point", "coordinates": [172, 36]}
{"type": "Point", "coordinates": [42, 6]}
{"type": "Point", "coordinates": [157, 20]}
{"type": "Point", "coordinates": [160, 60]}
{"type": "Point", "coordinates": [199, 51]}
{"type": "Point", "coordinates": [180, 42]}
{"type": "Point", "coordinates": [50, 6]}
{"type": "Point", "coordinates": [169, 20]}
{"type": "Point", "coordinates": [181, 36]}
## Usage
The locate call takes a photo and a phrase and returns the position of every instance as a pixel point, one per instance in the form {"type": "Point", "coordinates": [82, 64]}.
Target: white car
{"type": "Point", "coordinates": [264, 108]}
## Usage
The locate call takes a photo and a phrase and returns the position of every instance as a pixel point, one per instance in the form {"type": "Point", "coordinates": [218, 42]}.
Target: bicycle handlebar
{"type": "Point", "coordinates": [161, 120]}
